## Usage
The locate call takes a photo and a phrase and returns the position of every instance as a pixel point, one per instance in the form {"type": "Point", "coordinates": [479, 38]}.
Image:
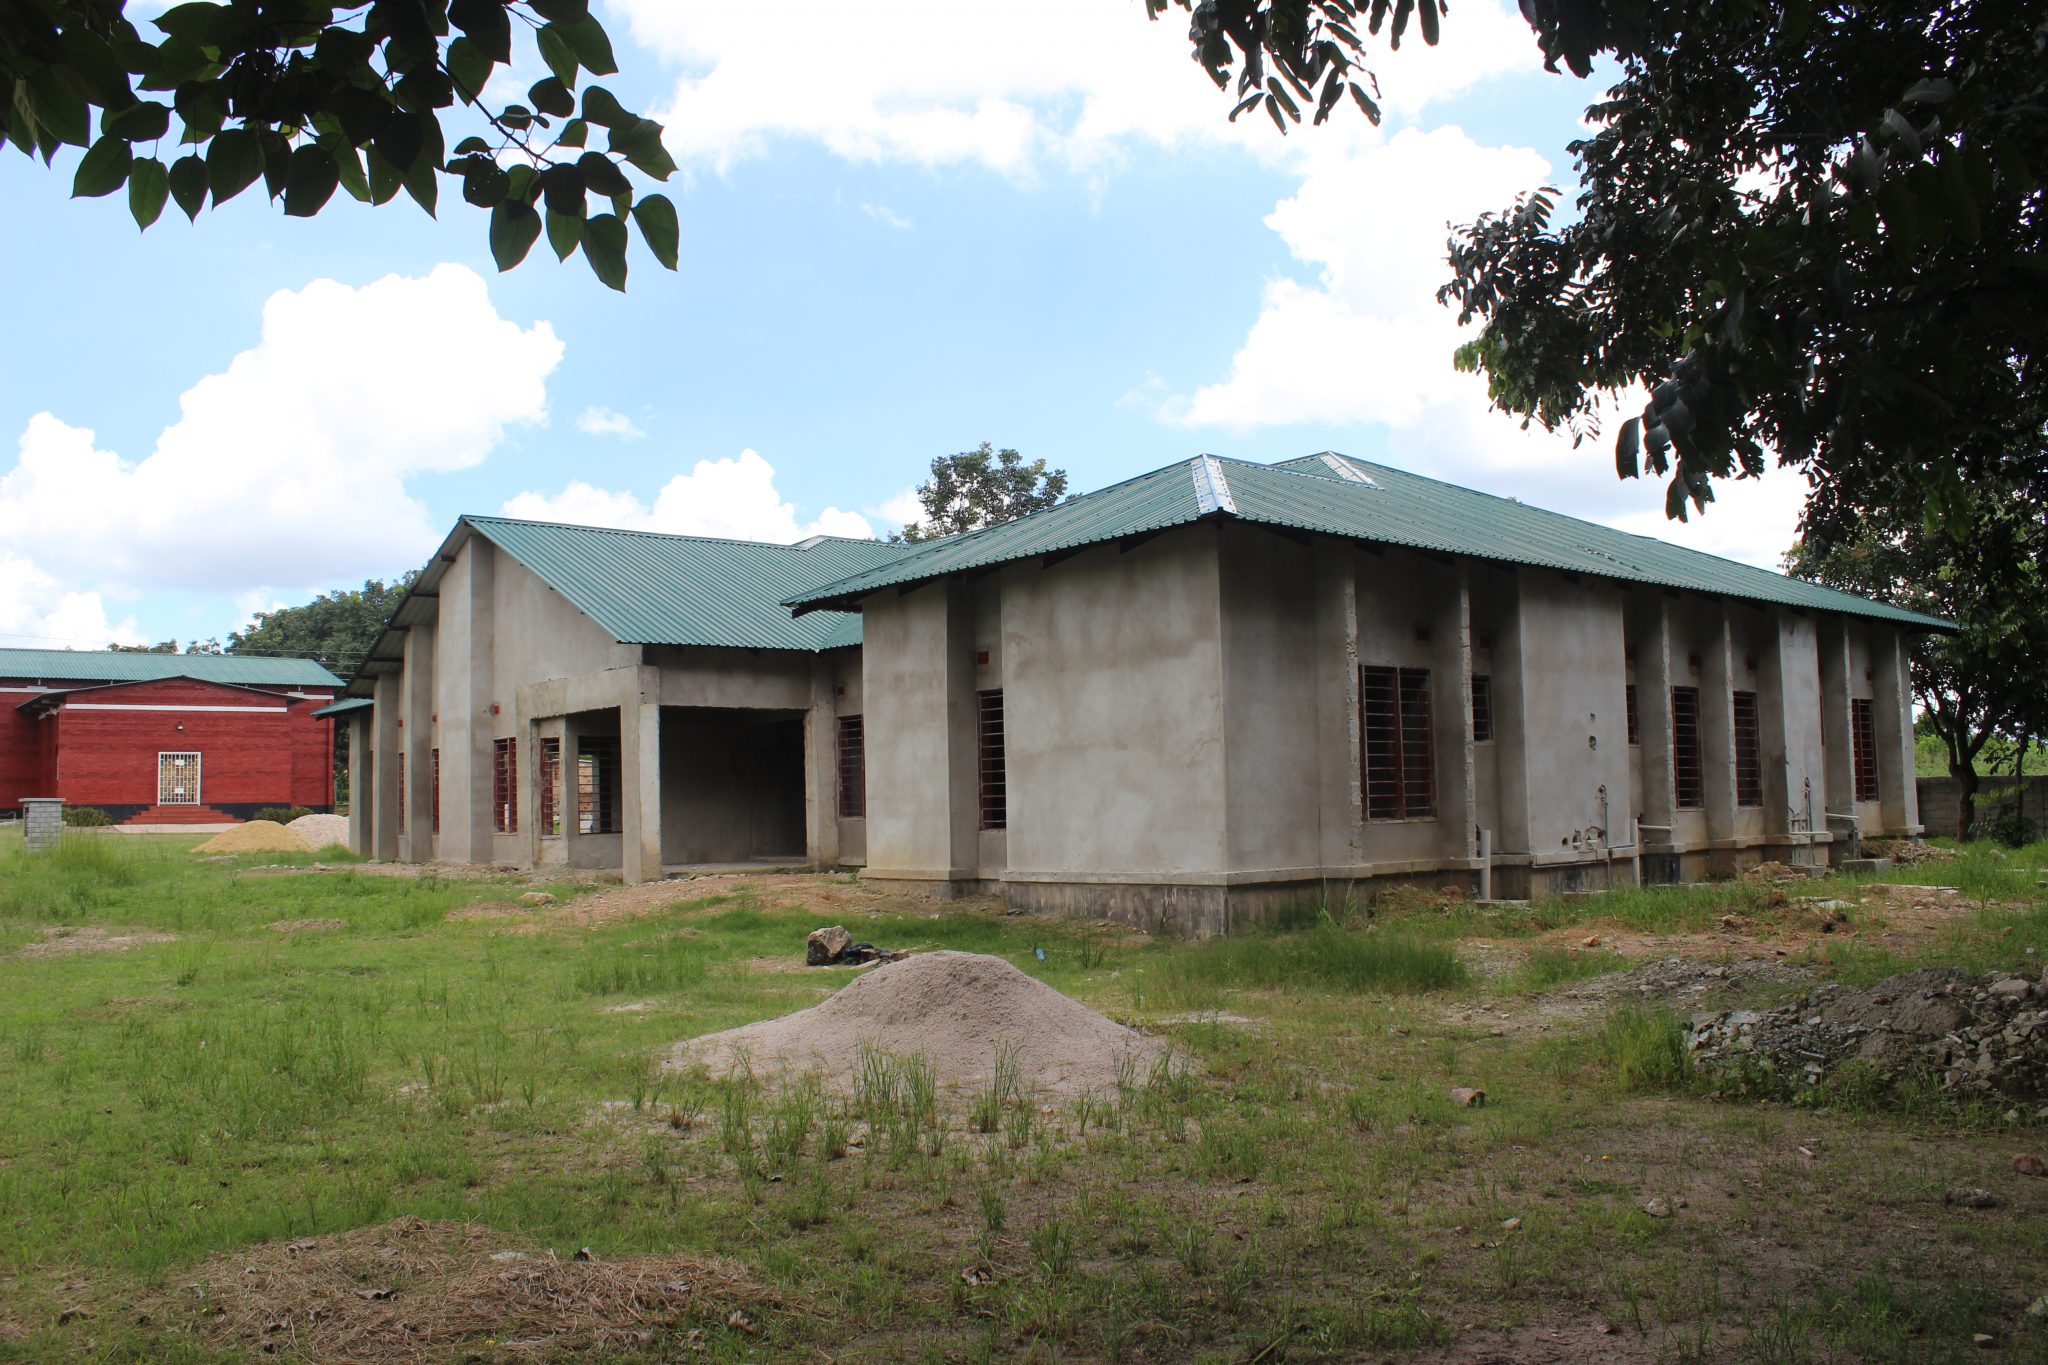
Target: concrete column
{"type": "Point", "coordinates": [1652, 631]}
{"type": "Point", "coordinates": [1840, 788]}
{"type": "Point", "coordinates": [528, 780]}
{"type": "Point", "coordinates": [416, 839]}
{"type": "Point", "coordinates": [1891, 691]}
{"type": "Point", "coordinates": [963, 730]}
{"type": "Point", "coordinates": [572, 825]}
{"type": "Point", "coordinates": [1457, 797]}
{"type": "Point", "coordinates": [479, 824]}
{"type": "Point", "coordinates": [1512, 739]}
{"type": "Point", "coordinates": [1340, 797]}
{"type": "Point", "coordinates": [362, 783]}
{"type": "Point", "coordinates": [384, 835]}
{"type": "Point", "coordinates": [1717, 737]}
{"type": "Point", "coordinates": [821, 768]}
{"type": "Point", "coordinates": [640, 779]}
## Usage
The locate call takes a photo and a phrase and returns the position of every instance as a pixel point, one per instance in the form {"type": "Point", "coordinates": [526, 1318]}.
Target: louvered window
{"type": "Point", "coordinates": [995, 795]}
{"type": "Point", "coordinates": [1749, 773]}
{"type": "Point", "coordinates": [1688, 764]}
{"type": "Point", "coordinates": [1399, 760]}
{"type": "Point", "coordinates": [1863, 737]}
{"type": "Point", "coordinates": [853, 769]}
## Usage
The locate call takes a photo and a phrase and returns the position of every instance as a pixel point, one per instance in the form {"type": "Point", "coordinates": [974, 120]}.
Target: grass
{"type": "Point", "coordinates": [1310, 1192]}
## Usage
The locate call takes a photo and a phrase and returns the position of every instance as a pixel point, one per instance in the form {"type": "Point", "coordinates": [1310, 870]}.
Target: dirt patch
{"type": "Point", "coordinates": [1975, 1035]}
{"type": "Point", "coordinates": [490, 910]}
{"type": "Point", "coordinates": [306, 926]}
{"type": "Point", "coordinates": [61, 940]}
{"type": "Point", "coordinates": [321, 830]}
{"type": "Point", "coordinates": [412, 1290]}
{"type": "Point", "coordinates": [1546, 1343]}
{"type": "Point", "coordinates": [953, 1009]}
{"type": "Point", "coordinates": [257, 836]}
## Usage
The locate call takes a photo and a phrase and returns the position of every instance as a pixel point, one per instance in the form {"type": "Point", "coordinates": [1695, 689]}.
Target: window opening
{"type": "Point", "coordinates": [1749, 772]}
{"type": "Point", "coordinates": [597, 786]}
{"type": "Point", "coordinates": [1688, 764]}
{"type": "Point", "coordinates": [853, 769]}
{"type": "Point", "coordinates": [1635, 722]}
{"type": "Point", "coordinates": [1482, 708]}
{"type": "Point", "coordinates": [995, 812]}
{"type": "Point", "coordinates": [1863, 725]}
{"type": "Point", "coordinates": [435, 818]}
{"type": "Point", "coordinates": [177, 779]}
{"type": "Point", "coordinates": [1399, 758]}
{"type": "Point", "coordinates": [401, 789]}
{"type": "Point", "coordinates": [546, 778]}
{"type": "Point", "coordinates": [505, 785]}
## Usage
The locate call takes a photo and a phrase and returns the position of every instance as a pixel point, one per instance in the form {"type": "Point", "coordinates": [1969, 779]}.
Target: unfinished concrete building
{"type": "Point", "coordinates": [1178, 700]}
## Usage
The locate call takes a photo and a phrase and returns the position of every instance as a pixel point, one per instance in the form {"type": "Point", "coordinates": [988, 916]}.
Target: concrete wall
{"type": "Point", "coordinates": [732, 785]}
{"type": "Point", "coordinates": [1937, 797]}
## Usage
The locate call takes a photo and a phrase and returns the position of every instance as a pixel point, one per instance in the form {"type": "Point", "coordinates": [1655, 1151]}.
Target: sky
{"type": "Point", "coordinates": [908, 226]}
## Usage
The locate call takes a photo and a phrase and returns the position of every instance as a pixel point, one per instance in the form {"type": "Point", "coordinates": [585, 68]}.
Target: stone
{"type": "Point", "coordinates": [1972, 1197]}
{"type": "Point", "coordinates": [826, 946]}
{"type": "Point", "coordinates": [2026, 1163]}
{"type": "Point", "coordinates": [2012, 988]}
{"type": "Point", "coordinates": [537, 898]}
{"type": "Point", "coordinates": [1510, 1224]}
{"type": "Point", "coordinates": [2038, 1309]}
{"type": "Point", "coordinates": [1467, 1096]}
{"type": "Point", "coordinates": [1657, 1207]}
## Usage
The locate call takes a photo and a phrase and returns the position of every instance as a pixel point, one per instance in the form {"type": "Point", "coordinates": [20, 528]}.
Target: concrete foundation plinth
{"type": "Point", "coordinates": [43, 821]}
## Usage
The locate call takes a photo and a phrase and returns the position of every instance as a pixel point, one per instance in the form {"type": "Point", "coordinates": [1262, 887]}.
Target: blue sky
{"type": "Point", "coordinates": [1045, 236]}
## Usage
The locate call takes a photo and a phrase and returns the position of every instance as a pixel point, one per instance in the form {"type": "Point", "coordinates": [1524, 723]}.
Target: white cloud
{"type": "Point", "coordinates": [735, 498]}
{"type": "Point", "coordinates": [597, 421]}
{"type": "Point", "coordinates": [940, 82]}
{"type": "Point", "coordinates": [882, 213]}
{"type": "Point", "coordinates": [289, 467]}
{"type": "Point", "coordinates": [39, 612]}
{"type": "Point", "coordinates": [899, 511]}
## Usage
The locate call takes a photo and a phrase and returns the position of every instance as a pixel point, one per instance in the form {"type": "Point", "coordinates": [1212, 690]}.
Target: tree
{"type": "Point", "coordinates": [1989, 681]}
{"type": "Point", "coordinates": [336, 630]}
{"type": "Point", "coordinates": [1814, 231]}
{"type": "Point", "coordinates": [169, 647]}
{"type": "Point", "coordinates": [982, 487]}
{"type": "Point", "coordinates": [310, 97]}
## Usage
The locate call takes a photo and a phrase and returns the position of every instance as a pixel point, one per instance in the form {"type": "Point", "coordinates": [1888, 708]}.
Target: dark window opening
{"type": "Point", "coordinates": [435, 815]}
{"type": "Point", "coordinates": [548, 775]}
{"type": "Point", "coordinates": [1863, 737]}
{"type": "Point", "coordinates": [853, 769]}
{"type": "Point", "coordinates": [401, 789]}
{"type": "Point", "coordinates": [505, 785]}
{"type": "Point", "coordinates": [1749, 772]}
{"type": "Point", "coordinates": [1400, 762]}
{"type": "Point", "coordinates": [1635, 722]}
{"type": "Point", "coordinates": [597, 786]}
{"type": "Point", "coordinates": [1688, 764]}
{"type": "Point", "coordinates": [1482, 708]}
{"type": "Point", "coordinates": [995, 805]}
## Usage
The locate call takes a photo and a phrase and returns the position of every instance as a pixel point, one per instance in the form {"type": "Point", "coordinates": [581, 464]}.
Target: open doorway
{"type": "Point", "coordinates": [732, 785]}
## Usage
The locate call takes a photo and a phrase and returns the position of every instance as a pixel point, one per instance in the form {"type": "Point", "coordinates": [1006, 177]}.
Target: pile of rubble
{"type": "Point", "coordinates": [1909, 852]}
{"type": "Point", "coordinates": [1978, 1036]}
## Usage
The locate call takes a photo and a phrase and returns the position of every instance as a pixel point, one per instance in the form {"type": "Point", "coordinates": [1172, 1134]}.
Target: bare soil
{"type": "Point", "coordinates": [62, 939]}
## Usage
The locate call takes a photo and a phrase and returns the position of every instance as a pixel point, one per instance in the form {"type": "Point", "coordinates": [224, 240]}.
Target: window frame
{"type": "Point", "coordinates": [1863, 749]}
{"type": "Point", "coordinates": [852, 752]}
{"type": "Point", "coordinates": [992, 758]}
{"type": "Point", "coordinates": [505, 785]}
{"type": "Point", "coordinates": [1749, 771]}
{"type": "Point", "coordinates": [547, 777]}
{"type": "Point", "coordinates": [1688, 752]}
{"type": "Point", "coordinates": [1482, 708]}
{"type": "Point", "coordinates": [1632, 714]}
{"type": "Point", "coordinates": [1396, 744]}
{"type": "Point", "coordinates": [599, 798]}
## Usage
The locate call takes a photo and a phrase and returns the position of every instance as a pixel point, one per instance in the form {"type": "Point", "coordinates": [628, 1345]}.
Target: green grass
{"type": "Point", "coordinates": [1309, 1192]}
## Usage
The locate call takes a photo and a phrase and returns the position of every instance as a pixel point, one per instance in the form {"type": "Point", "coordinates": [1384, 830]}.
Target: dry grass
{"type": "Point", "coordinates": [412, 1290]}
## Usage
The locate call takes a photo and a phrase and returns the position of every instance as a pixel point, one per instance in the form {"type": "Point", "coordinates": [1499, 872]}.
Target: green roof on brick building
{"type": "Point", "coordinates": [123, 665]}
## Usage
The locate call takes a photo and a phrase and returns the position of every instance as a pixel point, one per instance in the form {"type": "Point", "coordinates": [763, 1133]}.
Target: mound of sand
{"type": "Point", "coordinates": [419, 1291]}
{"type": "Point", "coordinates": [322, 830]}
{"type": "Point", "coordinates": [952, 1009]}
{"type": "Point", "coordinates": [257, 836]}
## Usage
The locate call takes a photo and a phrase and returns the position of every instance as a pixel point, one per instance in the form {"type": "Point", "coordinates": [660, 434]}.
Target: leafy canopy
{"type": "Point", "coordinates": [982, 487]}
{"type": "Point", "coordinates": [1813, 230]}
{"type": "Point", "coordinates": [336, 630]}
{"type": "Point", "coordinates": [312, 97]}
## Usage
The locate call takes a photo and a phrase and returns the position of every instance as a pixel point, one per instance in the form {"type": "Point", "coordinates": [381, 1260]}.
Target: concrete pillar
{"type": "Point", "coordinates": [527, 778]}
{"type": "Point", "coordinates": [416, 840]}
{"type": "Point", "coordinates": [640, 779]}
{"type": "Point", "coordinates": [1341, 800]}
{"type": "Point", "coordinates": [1457, 797]}
{"type": "Point", "coordinates": [1652, 633]}
{"type": "Point", "coordinates": [384, 829]}
{"type": "Point", "coordinates": [572, 824]}
{"type": "Point", "coordinates": [477, 829]}
{"type": "Point", "coordinates": [963, 730]}
{"type": "Point", "coordinates": [1512, 739]}
{"type": "Point", "coordinates": [821, 768]}
{"type": "Point", "coordinates": [1717, 737]}
{"type": "Point", "coordinates": [1892, 694]}
{"type": "Point", "coordinates": [362, 782]}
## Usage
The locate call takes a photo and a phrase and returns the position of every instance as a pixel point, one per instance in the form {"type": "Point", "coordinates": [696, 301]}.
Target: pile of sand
{"type": "Point", "coordinates": [952, 1009]}
{"type": "Point", "coordinates": [322, 830]}
{"type": "Point", "coordinates": [257, 836]}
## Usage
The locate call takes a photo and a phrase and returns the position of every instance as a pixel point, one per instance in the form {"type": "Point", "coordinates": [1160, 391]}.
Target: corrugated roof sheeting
{"type": "Point", "coordinates": [342, 708]}
{"type": "Point", "coordinates": [248, 670]}
{"type": "Point", "coordinates": [1390, 507]}
{"type": "Point", "coordinates": [650, 589]}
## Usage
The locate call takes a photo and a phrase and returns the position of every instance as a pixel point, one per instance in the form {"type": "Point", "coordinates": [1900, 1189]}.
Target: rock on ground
{"type": "Point", "coordinates": [1975, 1035]}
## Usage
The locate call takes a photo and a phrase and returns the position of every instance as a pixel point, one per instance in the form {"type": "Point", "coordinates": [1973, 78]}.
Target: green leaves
{"type": "Point", "coordinates": [102, 170]}
{"type": "Point", "coordinates": [514, 227]}
{"type": "Point", "coordinates": [655, 216]}
{"type": "Point", "coordinates": [557, 52]}
{"type": "Point", "coordinates": [604, 246]}
{"type": "Point", "coordinates": [233, 161]}
{"type": "Point", "coordinates": [189, 180]}
{"type": "Point", "coordinates": [148, 185]}
{"type": "Point", "coordinates": [310, 180]}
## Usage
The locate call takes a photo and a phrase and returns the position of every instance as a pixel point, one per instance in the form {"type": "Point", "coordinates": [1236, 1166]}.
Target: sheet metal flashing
{"type": "Point", "coordinates": [1395, 508]}
{"type": "Point", "coordinates": [1212, 488]}
{"type": "Point", "coordinates": [121, 665]}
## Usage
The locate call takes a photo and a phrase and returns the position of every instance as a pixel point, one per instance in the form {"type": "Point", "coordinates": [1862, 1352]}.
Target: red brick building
{"type": "Point", "coordinates": [165, 738]}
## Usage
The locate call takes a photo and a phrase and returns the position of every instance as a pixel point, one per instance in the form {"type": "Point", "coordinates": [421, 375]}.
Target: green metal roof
{"type": "Point", "coordinates": [113, 665]}
{"type": "Point", "coordinates": [342, 708]}
{"type": "Point", "coordinates": [650, 589]}
{"type": "Point", "coordinates": [1339, 496]}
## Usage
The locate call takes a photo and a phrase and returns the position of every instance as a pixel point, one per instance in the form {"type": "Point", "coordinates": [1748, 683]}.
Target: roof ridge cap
{"type": "Point", "coordinates": [479, 519]}
{"type": "Point", "coordinates": [1212, 486]}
